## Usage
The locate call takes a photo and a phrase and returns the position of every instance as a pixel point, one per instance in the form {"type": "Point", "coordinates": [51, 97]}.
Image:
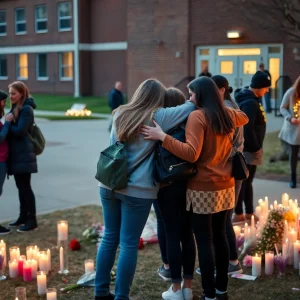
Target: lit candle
{"type": "Point", "coordinates": [20, 265]}
{"type": "Point", "coordinates": [246, 231]}
{"type": "Point", "coordinates": [29, 252]}
{"type": "Point", "coordinates": [267, 203]}
{"type": "Point", "coordinates": [89, 265]}
{"type": "Point", "coordinates": [51, 294]}
{"type": "Point", "coordinates": [258, 211]}
{"type": "Point", "coordinates": [285, 248]}
{"type": "Point", "coordinates": [237, 231]}
{"type": "Point", "coordinates": [13, 268]}
{"type": "Point", "coordinates": [14, 253]}
{"type": "Point", "coordinates": [271, 207]}
{"type": "Point", "coordinates": [61, 259]}
{"type": "Point", "coordinates": [269, 262]}
{"type": "Point", "coordinates": [253, 230]}
{"type": "Point", "coordinates": [296, 254]}
{"type": "Point", "coordinates": [43, 262]}
{"type": "Point", "coordinates": [275, 204]}
{"type": "Point", "coordinates": [3, 249]}
{"type": "Point", "coordinates": [292, 235]}
{"type": "Point", "coordinates": [34, 267]}
{"type": "Point", "coordinates": [49, 259]}
{"type": "Point", "coordinates": [35, 254]}
{"type": "Point", "coordinates": [41, 283]}
{"type": "Point", "coordinates": [27, 271]}
{"type": "Point", "coordinates": [256, 265]}
{"type": "Point", "coordinates": [285, 199]}
{"type": "Point", "coordinates": [286, 230]}
{"type": "Point", "coordinates": [62, 230]}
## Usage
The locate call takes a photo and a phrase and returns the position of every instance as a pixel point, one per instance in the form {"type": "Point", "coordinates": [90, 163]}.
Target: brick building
{"type": "Point", "coordinates": [81, 47]}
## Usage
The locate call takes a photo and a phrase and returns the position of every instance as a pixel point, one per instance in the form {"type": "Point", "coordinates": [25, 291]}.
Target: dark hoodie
{"type": "Point", "coordinates": [22, 158]}
{"type": "Point", "coordinates": [255, 129]}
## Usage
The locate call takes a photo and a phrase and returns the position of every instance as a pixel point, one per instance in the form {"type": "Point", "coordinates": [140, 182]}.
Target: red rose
{"type": "Point", "coordinates": [141, 244]}
{"type": "Point", "coordinates": [74, 245]}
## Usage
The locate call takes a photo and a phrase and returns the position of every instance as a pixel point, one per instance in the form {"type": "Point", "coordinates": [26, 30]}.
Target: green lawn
{"type": "Point", "coordinates": [62, 103]}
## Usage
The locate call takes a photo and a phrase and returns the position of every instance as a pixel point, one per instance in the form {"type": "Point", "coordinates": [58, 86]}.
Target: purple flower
{"type": "Point", "coordinates": [280, 261]}
{"type": "Point", "coordinates": [240, 241]}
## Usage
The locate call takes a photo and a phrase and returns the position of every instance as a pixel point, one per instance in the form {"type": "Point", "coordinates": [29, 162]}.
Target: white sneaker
{"type": "Point", "coordinates": [187, 294]}
{"type": "Point", "coordinates": [170, 295]}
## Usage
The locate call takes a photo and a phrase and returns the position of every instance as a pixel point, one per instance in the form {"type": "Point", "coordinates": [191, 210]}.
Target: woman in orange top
{"type": "Point", "coordinates": [210, 194]}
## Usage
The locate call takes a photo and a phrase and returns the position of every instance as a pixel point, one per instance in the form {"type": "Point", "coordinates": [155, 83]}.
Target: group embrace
{"type": "Point", "coordinates": [193, 213]}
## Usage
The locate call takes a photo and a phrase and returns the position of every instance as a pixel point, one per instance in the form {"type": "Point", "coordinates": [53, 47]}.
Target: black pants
{"type": "Point", "coordinates": [213, 250]}
{"type": "Point", "coordinates": [246, 194]}
{"type": "Point", "coordinates": [161, 234]}
{"type": "Point", "coordinates": [26, 196]}
{"type": "Point", "coordinates": [178, 224]}
{"type": "Point", "coordinates": [233, 255]}
{"type": "Point", "coordinates": [294, 158]}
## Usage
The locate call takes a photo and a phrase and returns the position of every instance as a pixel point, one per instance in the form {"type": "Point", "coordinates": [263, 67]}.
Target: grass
{"type": "Point", "coordinates": [62, 103]}
{"type": "Point", "coordinates": [69, 118]}
{"type": "Point", "coordinates": [146, 286]}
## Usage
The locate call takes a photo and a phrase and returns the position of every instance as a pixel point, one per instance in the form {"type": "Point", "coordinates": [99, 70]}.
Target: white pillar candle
{"type": "Point", "coordinates": [296, 254]}
{"type": "Point", "coordinates": [3, 249]}
{"type": "Point", "coordinates": [256, 265]}
{"type": "Point", "coordinates": [35, 254]}
{"type": "Point", "coordinates": [269, 262]}
{"type": "Point", "coordinates": [285, 248]}
{"type": "Point", "coordinates": [43, 262]}
{"type": "Point", "coordinates": [61, 259]}
{"type": "Point", "coordinates": [275, 204]}
{"type": "Point", "coordinates": [14, 253]}
{"type": "Point", "coordinates": [51, 294]}
{"type": "Point", "coordinates": [49, 260]}
{"type": "Point", "coordinates": [34, 266]}
{"type": "Point", "coordinates": [41, 283]}
{"type": "Point", "coordinates": [237, 231]}
{"type": "Point", "coordinates": [292, 236]}
{"type": "Point", "coordinates": [267, 203]}
{"type": "Point", "coordinates": [258, 211]}
{"type": "Point", "coordinates": [286, 230]}
{"type": "Point", "coordinates": [62, 230]}
{"type": "Point", "coordinates": [29, 252]}
{"type": "Point", "coordinates": [296, 203]}
{"type": "Point", "coordinates": [89, 266]}
{"type": "Point", "coordinates": [271, 207]}
{"type": "Point", "coordinates": [285, 199]}
{"type": "Point", "coordinates": [13, 268]}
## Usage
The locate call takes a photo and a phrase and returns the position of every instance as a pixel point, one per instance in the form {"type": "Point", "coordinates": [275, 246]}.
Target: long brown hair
{"type": "Point", "coordinates": [208, 98]}
{"type": "Point", "coordinates": [148, 97]}
{"type": "Point", "coordinates": [22, 88]}
{"type": "Point", "coordinates": [174, 97]}
{"type": "Point", "coordinates": [296, 87]}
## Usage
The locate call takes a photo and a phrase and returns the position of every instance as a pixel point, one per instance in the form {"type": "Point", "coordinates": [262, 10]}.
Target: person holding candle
{"type": "Point", "coordinates": [22, 159]}
{"type": "Point", "coordinates": [4, 129]}
{"type": "Point", "coordinates": [125, 219]}
{"type": "Point", "coordinates": [290, 131]}
{"type": "Point", "coordinates": [210, 193]}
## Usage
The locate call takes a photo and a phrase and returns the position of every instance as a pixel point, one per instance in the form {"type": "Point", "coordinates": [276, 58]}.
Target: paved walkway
{"type": "Point", "coordinates": [68, 165]}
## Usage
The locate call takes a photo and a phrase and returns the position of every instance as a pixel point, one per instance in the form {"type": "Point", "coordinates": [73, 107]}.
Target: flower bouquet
{"type": "Point", "coordinates": [94, 233]}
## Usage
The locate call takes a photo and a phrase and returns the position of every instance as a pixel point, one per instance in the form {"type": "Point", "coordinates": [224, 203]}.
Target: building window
{"type": "Point", "coordinates": [41, 19]}
{"type": "Point", "coordinates": [66, 65]}
{"type": "Point", "coordinates": [3, 23]}
{"type": "Point", "coordinates": [22, 66]}
{"type": "Point", "coordinates": [250, 67]}
{"type": "Point", "coordinates": [3, 67]}
{"type": "Point", "coordinates": [20, 16]}
{"type": "Point", "coordinates": [64, 16]}
{"type": "Point", "coordinates": [42, 66]}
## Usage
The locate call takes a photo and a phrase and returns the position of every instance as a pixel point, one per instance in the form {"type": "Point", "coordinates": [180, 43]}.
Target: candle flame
{"type": "Point", "coordinates": [246, 224]}
{"type": "Point", "coordinates": [256, 254]}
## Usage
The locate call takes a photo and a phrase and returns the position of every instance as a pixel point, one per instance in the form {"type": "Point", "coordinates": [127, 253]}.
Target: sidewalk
{"type": "Point", "coordinates": [63, 113]}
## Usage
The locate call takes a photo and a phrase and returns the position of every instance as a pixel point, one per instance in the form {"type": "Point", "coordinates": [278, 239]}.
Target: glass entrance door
{"type": "Point", "coordinates": [248, 66]}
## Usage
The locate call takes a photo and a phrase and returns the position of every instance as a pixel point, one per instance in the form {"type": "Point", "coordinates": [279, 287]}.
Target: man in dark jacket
{"type": "Point", "coordinates": [248, 100]}
{"type": "Point", "coordinates": [115, 99]}
{"type": "Point", "coordinates": [268, 94]}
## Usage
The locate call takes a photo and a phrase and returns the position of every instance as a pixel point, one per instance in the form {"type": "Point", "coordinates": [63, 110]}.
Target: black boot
{"type": "Point", "coordinates": [21, 221]}
{"type": "Point", "coordinates": [293, 182]}
{"type": "Point", "coordinates": [29, 225]}
{"type": "Point", "coordinates": [110, 296]}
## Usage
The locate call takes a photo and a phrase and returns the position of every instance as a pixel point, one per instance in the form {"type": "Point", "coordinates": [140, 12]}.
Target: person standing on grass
{"type": "Point", "coordinates": [126, 211]}
{"type": "Point", "coordinates": [210, 193]}
{"type": "Point", "coordinates": [115, 99]}
{"type": "Point", "coordinates": [248, 100]}
{"type": "Point", "coordinates": [22, 159]}
{"type": "Point", "coordinates": [290, 131]}
{"type": "Point", "coordinates": [4, 129]}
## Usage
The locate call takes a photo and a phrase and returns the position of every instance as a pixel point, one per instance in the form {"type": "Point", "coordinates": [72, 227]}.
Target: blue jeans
{"type": "Point", "coordinates": [3, 171]}
{"type": "Point", "coordinates": [124, 220]}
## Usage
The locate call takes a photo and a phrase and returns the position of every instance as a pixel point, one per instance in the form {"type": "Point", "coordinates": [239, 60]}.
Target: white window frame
{"type": "Point", "coordinates": [40, 20]}
{"type": "Point", "coordinates": [61, 66]}
{"type": "Point", "coordinates": [41, 78]}
{"type": "Point", "coordinates": [4, 23]}
{"type": "Point", "coordinates": [18, 67]}
{"type": "Point", "coordinates": [20, 22]}
{"type": "Point", "coordinates": [3, 77]}
{"type": "Point", "coordinates": [64, 18]}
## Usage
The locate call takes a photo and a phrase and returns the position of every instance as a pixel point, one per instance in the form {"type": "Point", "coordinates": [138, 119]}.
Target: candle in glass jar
{"type": "Point", "coordinates": [51, 294]}
{"type": "Point", "coordinates": [13, 268]}
{"type": "Point", "coordinates": [14, 253]}
{"type": "Point", "coordinates": [27, 271]}
{"type": "Point", "coordinates": [20, 265]}
{"type": "Point", "coordinates": [41, 283]}
{"type": "Point", "coordinates": [43, 262]}
{"type": "Point", "coordinates": [256, 265]}
{"type": "Point", "coordinates": [62, 230]}
{"type": "Point", "coordinates": [269, 262]}
{"type": "Point", "coordinates": [34, 267]}
{"type": "Point", "coordinates": [89, 265]}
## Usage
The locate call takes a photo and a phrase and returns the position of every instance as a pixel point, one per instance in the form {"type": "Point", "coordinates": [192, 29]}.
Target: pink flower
{"type": "Point", "coordinates": [247, 261]}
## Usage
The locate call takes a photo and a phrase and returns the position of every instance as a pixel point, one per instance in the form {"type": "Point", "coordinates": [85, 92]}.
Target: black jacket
{"type": "Point", "coordinates": [255, 129]}
{"type": "Point", "coordinates": [22, 158]}
{"type": "Point", "coordinates": [115, 99]}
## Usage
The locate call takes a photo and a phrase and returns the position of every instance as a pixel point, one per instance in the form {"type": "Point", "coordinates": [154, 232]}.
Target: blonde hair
{"type": "Point", "coordinates": [148, 97]}
{"type": "Point", "coordinates": [174, 97]}
{"type": "Point", "coordinates": [296, 87]}
{"type": "Point", "coordinates": [22, 88]}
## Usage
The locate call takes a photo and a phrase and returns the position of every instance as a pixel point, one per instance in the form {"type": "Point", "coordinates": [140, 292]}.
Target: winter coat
{"type": "Point", "coordinates": [115, 99]}
{"type": "Point", "coordinates": [22, 158]}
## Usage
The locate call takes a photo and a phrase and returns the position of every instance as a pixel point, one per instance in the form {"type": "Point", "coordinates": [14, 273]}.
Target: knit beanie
{"type": "Point", "coordinates": [260, 80]}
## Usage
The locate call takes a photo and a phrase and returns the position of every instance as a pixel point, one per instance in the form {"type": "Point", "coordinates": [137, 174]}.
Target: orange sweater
{"type": "Point", "coordinates": [210, 151]}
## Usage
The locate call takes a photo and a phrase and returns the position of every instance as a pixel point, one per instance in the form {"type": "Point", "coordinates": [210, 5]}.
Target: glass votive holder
{"type": "Point", "coordinates": [89, 266]}
{"type": "Point", "coordinates": [20, 293]}
{"type": "Point", "coordinates": [51, 294]}
{"type": "Point", "coordinates": [62, 230]}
